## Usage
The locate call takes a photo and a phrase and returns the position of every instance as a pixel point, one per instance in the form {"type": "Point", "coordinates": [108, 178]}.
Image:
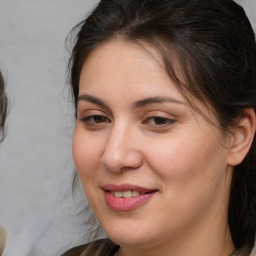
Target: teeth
{"type": "Point", "coordinates": [135, 193]}
{"type": "Point", "coordinates": [126, 194]}
{"type": "Point", "coordinates": [118, 194]}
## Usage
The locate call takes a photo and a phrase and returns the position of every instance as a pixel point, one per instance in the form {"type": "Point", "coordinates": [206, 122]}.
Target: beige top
{"type": "Point", "coordinates": [3, 235]}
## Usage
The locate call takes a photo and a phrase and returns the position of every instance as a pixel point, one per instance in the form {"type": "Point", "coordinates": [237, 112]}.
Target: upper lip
{"type": "Point", "coordinates": [126, 187]}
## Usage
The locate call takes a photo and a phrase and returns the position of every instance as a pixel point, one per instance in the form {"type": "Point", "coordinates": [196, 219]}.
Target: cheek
{"type": "Point", "coordinates": [181, 159]}
{"type": "Point", "coordinates": [193, 171]}
{"type": "Point", "coordinates": [86, 153]}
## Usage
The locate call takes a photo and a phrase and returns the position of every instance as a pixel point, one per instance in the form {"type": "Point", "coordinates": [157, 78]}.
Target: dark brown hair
{"type": "Point", "coordinates": [214, 44]}
{"type": "Point", "coordinates": [3, 107]}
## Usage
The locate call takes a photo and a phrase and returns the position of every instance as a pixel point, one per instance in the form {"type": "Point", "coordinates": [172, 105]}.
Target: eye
{"type": "Point", "coordinates": [95, 119]}
{"type": "Point", "coordinates": [159, 121]}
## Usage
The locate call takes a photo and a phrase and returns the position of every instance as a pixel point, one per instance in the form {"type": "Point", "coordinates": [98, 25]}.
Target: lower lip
{"type": "Point", "coordinates": [126, 204]}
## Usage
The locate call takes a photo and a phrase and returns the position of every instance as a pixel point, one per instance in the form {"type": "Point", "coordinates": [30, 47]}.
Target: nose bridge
{"type": "Point", "coordinates": [121, 149]}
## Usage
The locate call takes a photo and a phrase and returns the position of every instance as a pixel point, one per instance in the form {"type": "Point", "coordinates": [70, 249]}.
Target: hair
{"type": "Point", "coordinates": [213, 44]}
{"type": "Point", "coordinates": [3, 107]}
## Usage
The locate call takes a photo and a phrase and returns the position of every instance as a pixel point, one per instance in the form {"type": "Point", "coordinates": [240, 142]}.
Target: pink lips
{"type": "Point", "coordinates": [126, 204]}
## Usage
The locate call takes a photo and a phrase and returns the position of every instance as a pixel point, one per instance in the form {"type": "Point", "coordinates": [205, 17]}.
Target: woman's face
{"type": "Point", "coordinates": [153, 170]}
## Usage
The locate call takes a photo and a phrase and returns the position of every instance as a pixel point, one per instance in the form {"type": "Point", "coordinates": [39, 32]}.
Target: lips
{"type": "Point", "coordinates": [126, 197]}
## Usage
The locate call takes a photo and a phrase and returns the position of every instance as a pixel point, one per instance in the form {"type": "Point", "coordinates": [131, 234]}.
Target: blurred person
{"type": "Point", "coordinates": [3, 113]}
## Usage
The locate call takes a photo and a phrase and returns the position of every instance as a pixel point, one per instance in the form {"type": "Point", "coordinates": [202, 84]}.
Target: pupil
{"type": "Point", "coordinates": [160, 120]}
{"type": "Point", "coordinates": [99, 119]}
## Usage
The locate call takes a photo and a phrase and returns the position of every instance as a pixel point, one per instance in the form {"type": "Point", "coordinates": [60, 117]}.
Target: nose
{"type": "Point", "coordinates": [122, 151]}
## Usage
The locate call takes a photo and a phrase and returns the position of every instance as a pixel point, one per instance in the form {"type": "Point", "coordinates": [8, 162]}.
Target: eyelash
{"type": "Point", "coordinates": [165, 121]}
{"type": "Point", "coordinates": [88, 120]}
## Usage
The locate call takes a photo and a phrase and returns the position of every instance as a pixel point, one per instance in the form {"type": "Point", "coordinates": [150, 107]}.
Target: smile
{"type": "Point", "coordinates": [126, 197]}
{"type": "Point", "coordinates": [126, 194]}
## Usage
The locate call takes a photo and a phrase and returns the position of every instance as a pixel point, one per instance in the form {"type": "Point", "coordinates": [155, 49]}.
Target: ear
{"type": "Point", "coordinates": [242, 137]}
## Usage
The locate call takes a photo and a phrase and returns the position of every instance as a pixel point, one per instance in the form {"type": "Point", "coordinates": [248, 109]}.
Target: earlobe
{"type": "Point", "coordinates": [242, 137]}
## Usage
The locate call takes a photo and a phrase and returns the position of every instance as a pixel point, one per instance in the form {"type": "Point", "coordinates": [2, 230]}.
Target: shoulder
{"type": "Point", "coordinates": [102, 247]}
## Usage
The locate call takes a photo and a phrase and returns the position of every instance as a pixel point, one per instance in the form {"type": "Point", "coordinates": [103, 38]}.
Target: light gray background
{"type": "Point", "coordinates": [35, 159]}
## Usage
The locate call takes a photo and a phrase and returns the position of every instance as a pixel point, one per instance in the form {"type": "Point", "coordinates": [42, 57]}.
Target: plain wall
{"type": "Point", "coordinates": [35, 159]}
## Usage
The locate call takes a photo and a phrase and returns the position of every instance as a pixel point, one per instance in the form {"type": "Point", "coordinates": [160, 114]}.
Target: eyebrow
{"type": "Point", "coordinates": [137, 104]}
{"type": "Point", "coordinates": [93, 100]}
{"type": "Point", "coordinates": [155, 100]}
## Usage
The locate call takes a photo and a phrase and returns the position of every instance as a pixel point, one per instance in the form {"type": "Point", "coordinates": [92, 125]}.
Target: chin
{"type": "Point", "coordinates": [132, 240]}
{"type": "Point", "coordinates": [132, 234]}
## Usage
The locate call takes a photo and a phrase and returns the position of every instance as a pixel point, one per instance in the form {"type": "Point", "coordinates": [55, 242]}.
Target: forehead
{"type": "Point", "coordinates": [127, 66]}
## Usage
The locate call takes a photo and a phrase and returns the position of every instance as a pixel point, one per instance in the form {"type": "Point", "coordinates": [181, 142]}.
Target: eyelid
{"type": "Point", "coordinates": [161, 114]}
{"type": "Point", "coordinates": [90, 112]}
{"type": "Point", "coordinates": [88, 120]}
{"type": "Point", "coordinates": [168, 120]}
{"type": "Point", "coordinates": [87, 116]}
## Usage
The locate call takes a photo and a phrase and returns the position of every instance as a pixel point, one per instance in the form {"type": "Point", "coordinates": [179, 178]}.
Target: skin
{"type": "Point", "coordinates": [118, 141]}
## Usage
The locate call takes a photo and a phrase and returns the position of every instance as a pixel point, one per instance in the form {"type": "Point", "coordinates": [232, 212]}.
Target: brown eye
{"type": "Point", "coordinates": [99, 119]}
{"type": "Point", "coordinates": [95, 119]}
{"type": "Point", "coordinates": [159, 121]}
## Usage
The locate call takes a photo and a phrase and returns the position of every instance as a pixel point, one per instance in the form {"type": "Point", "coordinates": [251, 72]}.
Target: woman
{"type": "Point", "coordinates": [165, 95]}
{"type": "Point", "coordinates": [3, 112]}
